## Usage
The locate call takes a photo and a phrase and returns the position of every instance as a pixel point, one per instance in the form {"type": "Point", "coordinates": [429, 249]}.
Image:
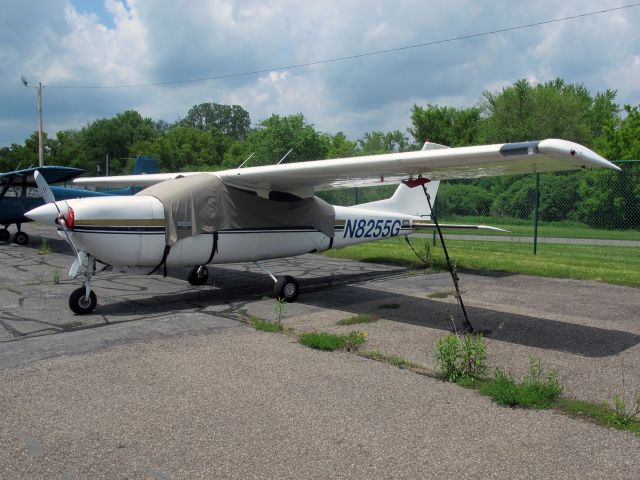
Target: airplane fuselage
{"type": "Point", "coordinates": [131, 232]}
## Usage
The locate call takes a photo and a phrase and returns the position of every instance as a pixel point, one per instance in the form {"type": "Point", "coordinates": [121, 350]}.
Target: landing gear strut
{"type": "Point", "coordinates": [83, 300]}
{"type": "Point", "coordinates": [285, 288]}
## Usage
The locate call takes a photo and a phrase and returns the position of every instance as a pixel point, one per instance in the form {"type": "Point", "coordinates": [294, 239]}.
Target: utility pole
{"type": "Point", "coordinates": [40, 139]}
{"type": "Point", "coordinates": [40, 142]}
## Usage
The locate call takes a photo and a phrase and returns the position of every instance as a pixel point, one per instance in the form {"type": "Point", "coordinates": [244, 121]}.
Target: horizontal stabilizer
{"type": "Point", "coordinates": [452, 226]}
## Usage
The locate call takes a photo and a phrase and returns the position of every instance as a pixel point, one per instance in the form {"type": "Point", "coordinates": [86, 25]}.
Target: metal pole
{"type": "Point", "coordinates": [107, 165]}
{"type": "Point", "coordinates": [40, 143]}
{"type": "Point", "coordinates": [535, 215]}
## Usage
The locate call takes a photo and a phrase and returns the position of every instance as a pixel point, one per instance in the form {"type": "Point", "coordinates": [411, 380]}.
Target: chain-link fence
{"type": "Point", "coordinates": [599, 207]}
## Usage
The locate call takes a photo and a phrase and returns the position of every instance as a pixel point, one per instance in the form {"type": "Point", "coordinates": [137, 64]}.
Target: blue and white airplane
{"type": "Point", "coordinates": [19, 193]}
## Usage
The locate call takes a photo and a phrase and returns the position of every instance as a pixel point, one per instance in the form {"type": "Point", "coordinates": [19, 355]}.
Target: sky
{"type": "Point", "coordinates": [68, 45]}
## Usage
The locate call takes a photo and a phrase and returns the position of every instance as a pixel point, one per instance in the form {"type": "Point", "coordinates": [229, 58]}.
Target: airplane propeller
{"type": "Point", "coordinates": [49, 197]}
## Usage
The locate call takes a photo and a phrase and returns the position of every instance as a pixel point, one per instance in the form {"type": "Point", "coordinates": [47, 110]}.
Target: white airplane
{"type": "Point", "coordinates": [258, 213]}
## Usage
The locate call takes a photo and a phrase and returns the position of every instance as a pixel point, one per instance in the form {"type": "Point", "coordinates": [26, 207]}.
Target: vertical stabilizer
{"type": "Point", "coordinates": [405, 200]}
{"type": "Point", "coordinates": [409, 201]}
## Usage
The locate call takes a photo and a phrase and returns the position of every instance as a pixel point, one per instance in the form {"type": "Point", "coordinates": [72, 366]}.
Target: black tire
{"type": "Point", "coordinates": [79, 303]}
{"type": "Point", "coordinates": [198, 275]}
{"type": "Point", "coordinates": [21, 238]}
{"type": "Point", "coordinates": [4, 235]}
{"type": "Point", "coordinates": [286, 289]}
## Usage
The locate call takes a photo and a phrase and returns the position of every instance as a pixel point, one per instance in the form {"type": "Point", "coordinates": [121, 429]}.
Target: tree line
{"type": "Point", "coordinates": [213, 136]}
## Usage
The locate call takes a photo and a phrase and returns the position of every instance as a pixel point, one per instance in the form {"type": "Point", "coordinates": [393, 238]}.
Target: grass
{"type": "Point", "coordinates": [45, 247]}
{"type": "Point", "coordinates": [71, 325]}
{"type": "Point", "coordinates": [441, 294]}
{"type": "Point", "coordinates": [530, 393]}
{"type": "Point", "coordinates": [360, 318]}
{"type": "Point", "coordinates": [329, 341]}
{"type": "Point", "coordinates": [265, 325]}
{"type": "Point", "coordinates": [616, 265]}
{"type": "Point", "coordinates": [602, 414]}
{"type": "Point", "coordinates": [391, 359]}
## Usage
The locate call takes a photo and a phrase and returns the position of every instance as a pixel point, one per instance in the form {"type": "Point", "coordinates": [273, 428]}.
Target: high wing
{"type": "Point", "coordinates": [304, 178]}
{"type": "Point", "coordinates": [52, 174]}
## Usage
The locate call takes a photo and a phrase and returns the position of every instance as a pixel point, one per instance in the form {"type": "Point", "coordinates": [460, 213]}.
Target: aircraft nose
{"type": "Point", "coordinates": [46, 214]}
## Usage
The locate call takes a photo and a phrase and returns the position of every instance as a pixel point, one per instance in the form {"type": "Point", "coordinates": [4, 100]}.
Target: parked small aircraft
{"type": "Point", "coordinates": [19, 193]}
{"type": "Point", "coordinates": [258, 213]}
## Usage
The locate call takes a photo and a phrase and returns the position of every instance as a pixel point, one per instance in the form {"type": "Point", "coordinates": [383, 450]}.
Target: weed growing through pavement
{"type": "Point", "coordinates": [391, 359]}
{"type": "Point", "coordinates": [330, 341]}
{"type": "Point", "coordinates": [461, 356]}
{"type": "Point", "coordinates": [56, 275]}
{"type": "Point", "coordinates": [442, 294]}
{"type": "Point", "coordinates": [71, 325]}
{"type": "Point", "coordinates": [265, 325]}
{"type": "Point", "coordinates": [279, 310]}
{"type": "Point", "coordinates": [45, 247]}
{"type": "Point", "coordinates": [360, 318]}
{"type": "Point", "coordinates": [536, 390]}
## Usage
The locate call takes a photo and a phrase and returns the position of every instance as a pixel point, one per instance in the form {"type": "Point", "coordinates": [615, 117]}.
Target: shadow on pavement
{"type": "Point", "coordinates": [507, 327]}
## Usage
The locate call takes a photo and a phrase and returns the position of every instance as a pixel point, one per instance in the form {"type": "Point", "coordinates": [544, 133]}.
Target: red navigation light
{"type": "Point", "coordinates": [71, 218]}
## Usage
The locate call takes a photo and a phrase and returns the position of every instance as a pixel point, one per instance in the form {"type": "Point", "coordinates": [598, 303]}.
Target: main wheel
{"type": "Point", "coordinates": [286, 289]}
{"type": "Point", "coordinates": [80, 304]}
{"type": "Point", "coordinates": [4, 235]}
{"type": "Point", "coordinates": [198, 275]}
{"type": "Point", "coordinates": [21, 238]}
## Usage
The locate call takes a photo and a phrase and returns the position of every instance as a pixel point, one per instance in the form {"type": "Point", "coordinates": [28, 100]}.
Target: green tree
{"type": "Point", "coordinates": [184, 149]}
{"type": "Point", "coordinates": [339, 146]}
{"type": "Point", "coordinates": [114, 137]}
{"type": "Point", "coordinates": [377, 142]}
{"type": "Point", "coordinates": [231, 120]}
{"type": "Point", "coordinates": [274, 137]}
{"type": "Point", "coordinates": [445, 125]}
{"type": "Point", "coordinates": [553, 109]}
{"type": "Point", "coordinates": [612, 199]}
{"type": "Point", "coordinates": [463, 199]}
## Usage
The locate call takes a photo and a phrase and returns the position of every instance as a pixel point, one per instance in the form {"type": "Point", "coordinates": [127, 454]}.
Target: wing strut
{"type": "Point", "coordinates": [467, 327]}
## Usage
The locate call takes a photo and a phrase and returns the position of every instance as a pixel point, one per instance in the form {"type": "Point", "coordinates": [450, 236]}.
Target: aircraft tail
{"type": "Point", "coordinates": [406, 200]}
{"type": "Point", "coordinates": [145, 165]}
{"type": "Point", "coordinates": [410, 201]}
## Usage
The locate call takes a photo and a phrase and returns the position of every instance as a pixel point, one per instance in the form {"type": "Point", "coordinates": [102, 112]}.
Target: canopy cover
{"type": "Point", "coordinates": [202, 203]}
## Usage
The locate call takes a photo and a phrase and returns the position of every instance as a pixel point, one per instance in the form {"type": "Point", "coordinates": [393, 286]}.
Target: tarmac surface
{"type": "Point", "coordinates": [166, 380]}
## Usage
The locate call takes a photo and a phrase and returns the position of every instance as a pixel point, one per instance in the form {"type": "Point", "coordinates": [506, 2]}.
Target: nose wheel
{"type": "Point", "coordinates": [83, 300]}
{"type": "Point", "coordinates": [80, 303]}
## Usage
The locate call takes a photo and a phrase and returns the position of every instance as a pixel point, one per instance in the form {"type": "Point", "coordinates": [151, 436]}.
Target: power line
{"type": "Point", "coordinates": [355, 56]}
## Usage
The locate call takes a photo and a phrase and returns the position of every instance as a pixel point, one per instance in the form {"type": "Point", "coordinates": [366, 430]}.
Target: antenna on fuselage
{"type": "Point", "coordinates": [285, 156]}
{"type": "Point", "coordinates": [248, 158]}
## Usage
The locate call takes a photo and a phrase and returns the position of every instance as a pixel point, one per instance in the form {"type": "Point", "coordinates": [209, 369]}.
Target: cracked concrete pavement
{"type": "Point", "coordinates": [165, 381]}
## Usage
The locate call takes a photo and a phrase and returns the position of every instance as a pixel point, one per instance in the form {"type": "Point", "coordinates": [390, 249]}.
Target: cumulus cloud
{"type": "Point", "coordinates": [119, 43]}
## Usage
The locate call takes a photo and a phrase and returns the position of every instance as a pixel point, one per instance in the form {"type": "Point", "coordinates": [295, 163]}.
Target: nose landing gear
{"type": "Point", "coordinates": [83, 300]}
